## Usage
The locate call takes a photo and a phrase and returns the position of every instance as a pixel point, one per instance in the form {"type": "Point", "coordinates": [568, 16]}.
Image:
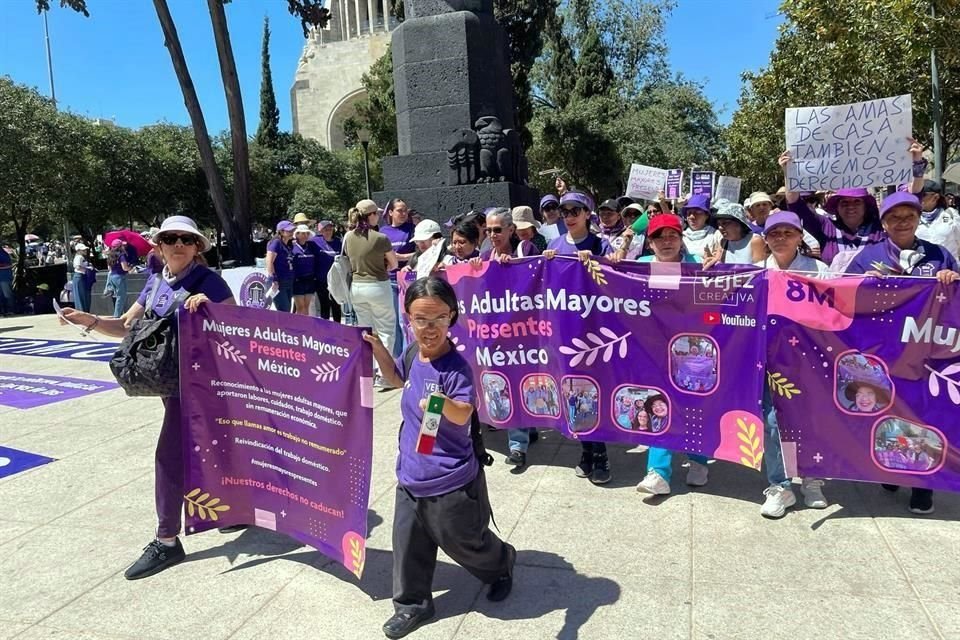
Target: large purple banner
{"type": "Point", "coordinates": [660, 354]}
{"type": "Point", "coordinates": [880, 362]}
{"type": "Point", "coordinates": [278, 418]}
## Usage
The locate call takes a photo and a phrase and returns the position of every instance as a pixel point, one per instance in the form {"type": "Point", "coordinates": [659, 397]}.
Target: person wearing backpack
{"type": "Point", "coordinates": [441, 496]}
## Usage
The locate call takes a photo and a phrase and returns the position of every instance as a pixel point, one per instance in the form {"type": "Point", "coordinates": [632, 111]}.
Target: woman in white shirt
{"type": "Point", "coordinates": [83, 277]}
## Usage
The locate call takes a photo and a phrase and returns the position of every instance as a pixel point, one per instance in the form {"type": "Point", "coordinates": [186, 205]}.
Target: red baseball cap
{"type": "Point", "coordinates": [663, 221]}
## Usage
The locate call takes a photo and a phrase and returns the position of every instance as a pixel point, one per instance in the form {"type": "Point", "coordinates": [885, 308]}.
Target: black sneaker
{"type": "Point", "coordinates": [921, 502]}
{"type": "Point", "coordinates": [585, 468]}
{"type": "Point", "coordinates": [402, 624]}
{"type": "Point", "coordinates": [156, 557]}
{"type": "Point", "coordinates": [601, 469]}
{"type": "Point", "coordinates": [892, 488]}
{"type": "Point", "coordinates": [500, 589]}
{"type": "Point", "coordinates": [534, 435]}
{"type": "Point", "coordinates": [517, 458]}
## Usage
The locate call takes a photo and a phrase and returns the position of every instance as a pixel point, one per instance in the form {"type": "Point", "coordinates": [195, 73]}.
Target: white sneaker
{"type": "Point", "coordinates": [697, 474]}
{"type": "Point", "coordinates": [812, 490]}
{"type": "Point", "coordinates": [779, 499]}
{"type": "Point", "coordinates": [654, 484]}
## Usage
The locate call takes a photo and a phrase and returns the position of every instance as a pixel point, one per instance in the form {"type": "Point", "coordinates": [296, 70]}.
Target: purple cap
{"type": "Point", "coordinates": [868, 200]}
{"type": "Point", "coordinates": [788, 218]}
{"type": "Point", "coordinates": [323, 224]}
{"type": "Point", "coordinates": [285, 225]}
{"type": "Point", "coordinates": [699, 201]}
{"type": "Point", "coordinates": [547, 199]}
{"type": "Point", "coordinates": [576, 197]}
{"type": "Point", "coordinates": [899, 199]}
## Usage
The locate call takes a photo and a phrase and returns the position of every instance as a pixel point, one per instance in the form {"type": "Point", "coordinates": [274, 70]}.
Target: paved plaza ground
{"type": "Point", "coordinates": [593, 563]}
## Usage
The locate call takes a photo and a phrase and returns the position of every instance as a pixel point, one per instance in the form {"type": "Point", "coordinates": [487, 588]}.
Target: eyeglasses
{"type": "Point", "coordinates": [171, 239]}
{"type": "Point", "coordinates": [430, 323]}
{"type": "Point", "coordinates": [570, 212]}
{"type": "Point", "coordinates": [495, 230]}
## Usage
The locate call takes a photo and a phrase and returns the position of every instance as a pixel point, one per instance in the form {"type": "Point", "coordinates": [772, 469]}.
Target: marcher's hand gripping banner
{"type": "Point", "coordinates": [865, 375]}
{"type": "Point", "coordinates": [278, 417]}
{"type": "Point", "coordinates": [660, 354]}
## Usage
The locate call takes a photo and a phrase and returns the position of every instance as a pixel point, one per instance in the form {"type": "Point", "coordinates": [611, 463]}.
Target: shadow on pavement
{"type": "Point", "coordinates": [18, 328]}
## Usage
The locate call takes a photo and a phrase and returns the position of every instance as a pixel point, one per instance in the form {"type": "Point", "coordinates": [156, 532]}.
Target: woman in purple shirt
{"type": "Point", "coordinates": [119, 263]}
{"type": "Point", "coordinates": [441, 496]}
{"type": "Point", "coordinates": [305, 255]}
{"type": "Point", "coordinates": [185, 281]}
{"type": "Point", "coordinates": [399, 231]}
{"type": "Point", "coordinates": [280, 266]}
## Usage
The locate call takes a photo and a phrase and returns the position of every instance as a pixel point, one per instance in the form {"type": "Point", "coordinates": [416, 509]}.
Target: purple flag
{"type": "Point", "coordinates": [701, 183]}
{"type": "Point", "coordinates": [26, 391]}
{"type": "Point", "coordinates": [880, 361]}
{"type": "Point", "coordinates": [278, 417]}
{"type": "Point", "coordinates": [674, 180]}
{"type": "Point", "coordinates": [660, 354]}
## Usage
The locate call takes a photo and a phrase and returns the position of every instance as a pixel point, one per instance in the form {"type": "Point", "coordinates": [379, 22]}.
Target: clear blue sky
{"type": "Point", "coordinates": [114, 65]}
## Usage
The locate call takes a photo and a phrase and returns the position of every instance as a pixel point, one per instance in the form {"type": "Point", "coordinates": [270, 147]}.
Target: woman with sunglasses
{"type": "Point", "coordinates": [575, 208]}
{"type": "Point", "coordinates": [441, 498]}
{"type": "Point", "coordinates": [185, 281]}
{"type": "Point", "coordinates": [280, 266]}
{"type": "Point", "coordinates": [553, 226]}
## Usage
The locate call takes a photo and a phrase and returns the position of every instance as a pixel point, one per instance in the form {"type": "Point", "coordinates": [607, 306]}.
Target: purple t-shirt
{"type": "Point", "coordinates": [885, 258]}
{"type": "Point", "coordinates": [123, 257]}
{"type": "Point", "coordinates": [452, 463]}
{"type": "Point", "coordinates": [304, 260]}
{"type": "Point", "coordinates": [283, 264]}
{"type": "Point", "coordinates": [200, 279]}
{"type": "Point", "coordinates": [400, 240]}
{"type": "Point", "coordinates": [154, 263]}
{"type": "Point", "coordinates": [591, 243]}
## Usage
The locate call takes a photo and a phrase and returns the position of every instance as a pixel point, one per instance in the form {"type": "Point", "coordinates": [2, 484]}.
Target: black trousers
{"type": "Point", "coordinates": [458, 523]}
{"type": "Point", "coordinates": [596, 448]}
{"type": "Point", "coordinates": [327, 306]}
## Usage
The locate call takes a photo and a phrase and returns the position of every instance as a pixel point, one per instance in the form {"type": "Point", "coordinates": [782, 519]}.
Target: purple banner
{"type": "Point", "coordinates": [279, 424]}
{"type": "Point", "coordinates": [880, 360]}
{"type": "Point", "coordinates": [701, 183]}
{"type": "Point", "coordinates": [641, 353]}
{"type": "Point", "coordinates": [674, 182]}
{"type": "Point", "coordinates": [98, 351]}
{"type": "Point", "coordinates": [26, 391]}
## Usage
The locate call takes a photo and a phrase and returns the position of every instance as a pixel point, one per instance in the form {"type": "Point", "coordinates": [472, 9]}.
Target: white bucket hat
{"type": "Point", "coordinates": [426, 230]}
{"type": "Point", "coordinates": [80, 247]}
{"type": "Point", "coordinates": [302, 228]}
{"type": "Point", "coordinates": [182, 224]}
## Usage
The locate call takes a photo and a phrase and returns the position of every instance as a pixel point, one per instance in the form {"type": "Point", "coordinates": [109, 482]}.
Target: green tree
{"type": "Point", "coordinates": [268, 131]}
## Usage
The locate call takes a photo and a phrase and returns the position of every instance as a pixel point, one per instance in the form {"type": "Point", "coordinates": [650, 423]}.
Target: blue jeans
{"type": "Point", "coordinates": [399, 342]}
{"type": "Point", "coordinates": [7, 302]}
{"type": "Point", "coordinates": [81, 293]}
{"type": "Point", "coordinates": [283, 301]}
{"type": "Point", "coordinates": [519, 439]}
{"type": "Point", "coordinates": [661, 461]}
{"type": "Point", "coordinates": [118, 283]}
{"type": "Point", "coordinates": [772, 447]}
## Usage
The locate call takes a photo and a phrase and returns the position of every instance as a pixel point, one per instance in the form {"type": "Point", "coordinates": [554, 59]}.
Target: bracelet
{"type": "Point", "coordinates": [93, 325]}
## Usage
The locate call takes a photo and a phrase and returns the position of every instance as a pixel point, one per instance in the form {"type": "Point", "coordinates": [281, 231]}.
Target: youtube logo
{"type": "Point", "coordinates": [712, 318]}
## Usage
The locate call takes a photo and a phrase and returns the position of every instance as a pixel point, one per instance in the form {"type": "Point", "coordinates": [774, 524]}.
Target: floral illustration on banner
{"type": "Point", "coordinates": [204, 506]}
{"type": "Point", "coordinates": [354, 552]}
{"type": "Point", "coordinates": [455, 341]}
{"type": "Point", "coordinates": [581, 351]}
{"type": "Point", "coordinates": [595, 270]}
{"type": "Point", "coordinates": [751, 448]}
{"type": "Point", "coordinates": [326, 372]}
{"type": "Point", "coordinates": [229, 352]}
{"type": "Point", "coordinates": [784, 388]}
{"type": "Point", "coordinates": [953, 386]}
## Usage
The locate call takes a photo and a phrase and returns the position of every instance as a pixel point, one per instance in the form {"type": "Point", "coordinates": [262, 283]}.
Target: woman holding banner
{"type": "Point", "coordinates": [666, 241]}
{"type": "Point", "coordinates": [853, 222]}
{"type": "Point", "coordinates": [441, 495]}
{"type": "Point", "coordinates": [575, 209]}
{"type": "Point", "coordinates": [185, 281]}
{"type": "Point", "coordinates": [783, 235]}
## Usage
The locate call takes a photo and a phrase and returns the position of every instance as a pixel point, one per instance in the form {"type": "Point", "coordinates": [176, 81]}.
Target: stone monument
{"type": "Point", "coordinates": [455, 120]}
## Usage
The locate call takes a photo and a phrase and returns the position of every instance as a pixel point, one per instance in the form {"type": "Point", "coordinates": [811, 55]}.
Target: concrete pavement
{"type": "Point", "coordinates": [593, 563]}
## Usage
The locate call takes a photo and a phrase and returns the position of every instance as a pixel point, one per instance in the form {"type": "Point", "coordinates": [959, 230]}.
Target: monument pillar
{"type": "Point", "coordinates": [458, 149]}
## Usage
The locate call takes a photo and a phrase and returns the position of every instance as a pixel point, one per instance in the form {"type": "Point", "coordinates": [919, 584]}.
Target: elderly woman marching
{"type": "Point", "coordinates": [185, 280]}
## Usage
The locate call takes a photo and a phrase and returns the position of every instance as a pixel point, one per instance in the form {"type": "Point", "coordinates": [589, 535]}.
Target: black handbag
{"type": "Point", "coordinates": [147, 363]}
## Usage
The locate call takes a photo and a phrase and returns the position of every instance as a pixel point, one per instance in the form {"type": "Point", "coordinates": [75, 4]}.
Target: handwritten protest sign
{"type": "Point", "coordinates": [701, 183]}
{"type": "Point", "coordinates": [728, 188]}
{"type": "Point", "coordinates": [278, 426]}
{"type": "Point", "coordinates": [674, 180]}
{"type": "Point", "coordinates": [850, 145]}
{"type": "Point", "coordinates": [646, 182]}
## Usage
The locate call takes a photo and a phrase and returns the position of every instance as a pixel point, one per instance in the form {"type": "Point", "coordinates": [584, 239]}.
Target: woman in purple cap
{"type": "Point", "coordinates": [853, 222]}
{"type": "Point", "coordinates": [330, 246]}
{"type": "Point", "coordinates": [553, 226]}
{"type": "Point", "coordinates": [699, 230]}
{"type": "Point", "coordinates": [280, 266]}
{"type": "Point", "coordinates": [185, 281]}
{"type": "Point", "coordinates": [575, 209]}
{"type": "Point", "coordinates": [783, 235]}
{"type": "Point", "coordinates": [903, 253]}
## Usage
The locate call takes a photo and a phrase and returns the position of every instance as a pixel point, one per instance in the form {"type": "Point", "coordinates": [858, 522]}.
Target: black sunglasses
{"type": "Point", "coordinates": [494, 229]}
{"type": "Point", "coordinates": [551, 206]}
{"type": "Point", "coordinates": [570, 212]}
{"type": "Point", "coordinates": [171, 239]}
